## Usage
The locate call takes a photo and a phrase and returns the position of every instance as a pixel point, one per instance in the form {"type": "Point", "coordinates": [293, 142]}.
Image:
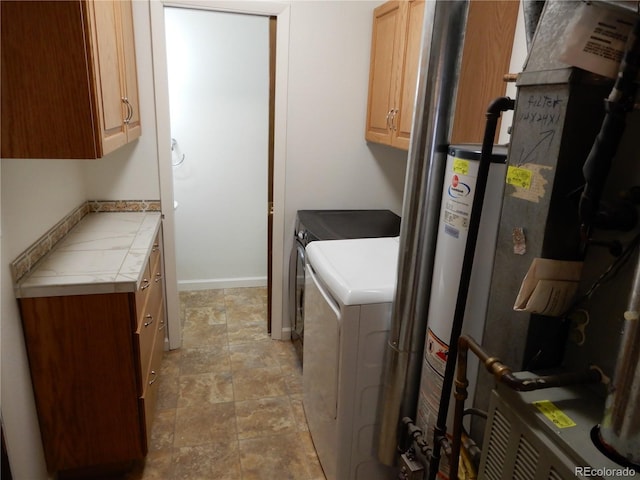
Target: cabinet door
{"type": "Point", "coordinates": [48, 104]}
{"type": "Point", "coordinates": [84, 377]}
{"type": "Point", "coordinates": [386, 50]}
{"type": "Point", "coordinates": [485, 59]}
{"type": "Point", "coordinates": [111, 109]}
{"type": "Point", "coordinates": [130, 71]}
{"type": "Point", "coordinates": [412, 37]}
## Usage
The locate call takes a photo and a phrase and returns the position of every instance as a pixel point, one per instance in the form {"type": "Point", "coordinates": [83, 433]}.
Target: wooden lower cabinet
{"type": "Point", "coordinates": [94, 363]}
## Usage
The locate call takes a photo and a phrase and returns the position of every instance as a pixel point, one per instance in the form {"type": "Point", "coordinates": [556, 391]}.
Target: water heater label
{"type": "Point", "coordinates": [554, 414]}
{"type": "Point", "coordinates": [519, 177]}
{"type": "Point", "coordinates": [461, 166]}
{"type": "Point", "coordinates": [436, 352]}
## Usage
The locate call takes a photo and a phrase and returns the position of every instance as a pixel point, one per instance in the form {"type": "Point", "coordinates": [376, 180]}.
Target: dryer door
{"type": "Point", "coordinates": [320, 372]}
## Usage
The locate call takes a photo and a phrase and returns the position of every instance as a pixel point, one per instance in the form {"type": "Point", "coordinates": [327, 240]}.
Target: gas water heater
{"type": "Point", "coordinates": [455, 211]}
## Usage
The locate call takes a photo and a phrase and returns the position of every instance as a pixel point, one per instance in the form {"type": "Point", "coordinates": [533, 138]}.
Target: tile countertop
{"type": "Point", "coordinates": [104, 253]}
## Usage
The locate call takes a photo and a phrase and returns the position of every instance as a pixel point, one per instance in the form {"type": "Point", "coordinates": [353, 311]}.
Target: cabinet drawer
{"type": "Point", "coordinates": [152, 274]}
{"type": "Point", "coordinates": [150, 320]}
{"type": "Point", "coordinates": [143, 290]}
{"type": "Point", "coordinates": [150, 387]}
{"type": "Point", "coordinates": [145, 338]}
{"type": "Point", "coordinates": [155, 250]}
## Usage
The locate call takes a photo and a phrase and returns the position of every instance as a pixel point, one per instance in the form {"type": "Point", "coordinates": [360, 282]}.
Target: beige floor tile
{"type": "Point", "coordinates": [213, 359]}
{"type": "Point", "coordinates": [298, 413]}
{"type": "Point", "coordinates": [255, 296]}
{"type": "Point", "coordinates": [293, 380]}
{"type": "Point", "coordinates": [254, 383]}
{"type": "Point", "coordinates": [200, 298]}
{"type": "Point", "coordinates": [212, 461]}
{"type": "Point", "coordinates": [265, 417]}
{"type": "Point", "coordinates": [204, 335]}
{"type": "Point", "coordinates": [168, 392]}
{"type": "Point", "coordinates": [156, 466]}
{"type": "Point", "coordinates": [287, 356]}
{"type": "Point", "coordinates": [209, 315]}
{"type": "Point", "coordinates": [247, 332]}
{"type": "Point", "coordinates": [230, 400]}
{"type": "Point", "coordinates": [252, 355]}
{"type": "Point", "coordinates": [283, 457]}
{"type": "Point", "coordinates": [164, 425]}
{"type": "Point", "coordinates": [205, 388]}
{"type": "Point", "coordinates": [170, 366]}
{"type": "Point", "coordinates": [205, 424]}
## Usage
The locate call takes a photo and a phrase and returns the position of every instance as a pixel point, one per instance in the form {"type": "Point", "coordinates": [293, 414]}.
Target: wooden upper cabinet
{"type": "Point", "coordinates": [486, 56]}
{"type": "Point", "coordinates": [395, 56]}
{"type": "Point", "coordinates": [69, 82]}
{"type": "Point", "coordinates": [395, 50]}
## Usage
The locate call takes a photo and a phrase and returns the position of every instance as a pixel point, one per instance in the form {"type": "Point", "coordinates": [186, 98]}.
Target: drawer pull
{"type": "Point", "coordinates": [149, 317]}
{"type": "Point", "coordinates": [156, 247]}
{"type": "Point", "coordinates": [152, 381]}
{"type": "Point", "coordinates": [146, 284]}
{"type": "Point", "coordinates": [158, 277]}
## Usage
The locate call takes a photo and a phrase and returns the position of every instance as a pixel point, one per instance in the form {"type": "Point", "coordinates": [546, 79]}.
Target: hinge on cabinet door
{"type": "Point", "coordinates": [270, 208]}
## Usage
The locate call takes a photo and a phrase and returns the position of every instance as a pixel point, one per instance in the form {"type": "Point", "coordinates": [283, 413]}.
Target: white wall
{"type": "Point", "coordinates": [218, 68]}
{"type": "Point", "coordinates": [36, 194]}
{"type": "Point", "coordinates": [329, 163]}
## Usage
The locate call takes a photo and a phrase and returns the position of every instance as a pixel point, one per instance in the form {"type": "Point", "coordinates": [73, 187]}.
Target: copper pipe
{"type": "Point", "coordinates": [502, 374]}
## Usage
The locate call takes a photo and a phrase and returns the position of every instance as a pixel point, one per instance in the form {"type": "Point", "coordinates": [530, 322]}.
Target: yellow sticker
{"type": "Point", "coordinates": [460, 166]}
{"type": "Point", "coordinates": [519, 177]}
{"type": "Point", "coordinates": [553, 413]}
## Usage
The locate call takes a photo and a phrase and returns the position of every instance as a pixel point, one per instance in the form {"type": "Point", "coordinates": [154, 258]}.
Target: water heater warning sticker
{"type": "Point", "coordinates": [519, 177]}
{"type": "Point", "coordinates": [460, 166]}
{"type": "Point", "coordinates": [554, 414]}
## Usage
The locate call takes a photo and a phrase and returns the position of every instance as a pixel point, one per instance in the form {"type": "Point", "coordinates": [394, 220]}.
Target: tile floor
{"type": "Point", "coordinates": [230, 400]}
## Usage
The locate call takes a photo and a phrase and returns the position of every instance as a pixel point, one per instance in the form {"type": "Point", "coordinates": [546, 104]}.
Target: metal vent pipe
{"type": "Point", "coordinates": [620, 428]}
{"type": "Point", "coordinates": [442, 40]}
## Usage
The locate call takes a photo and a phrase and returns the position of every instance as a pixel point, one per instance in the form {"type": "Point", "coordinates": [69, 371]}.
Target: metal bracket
{"type": "Point", "coordinates": [410, 468]}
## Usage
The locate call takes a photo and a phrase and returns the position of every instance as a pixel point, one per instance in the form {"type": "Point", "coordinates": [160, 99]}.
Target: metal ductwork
{"type": "Point", "coordinates": [441, 50]}
{"type": "Point", "coordinates": [532, 10]}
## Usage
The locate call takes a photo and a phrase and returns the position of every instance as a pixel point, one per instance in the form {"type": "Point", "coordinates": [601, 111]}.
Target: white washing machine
{"type": "Point", "coordinates": [349, 288]}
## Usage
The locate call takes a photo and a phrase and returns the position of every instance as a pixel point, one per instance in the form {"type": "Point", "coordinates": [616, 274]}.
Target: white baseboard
{"type": "Point", "coordinates": [218, 283]}
{"type": "Point", "coordinates": [286, 334]}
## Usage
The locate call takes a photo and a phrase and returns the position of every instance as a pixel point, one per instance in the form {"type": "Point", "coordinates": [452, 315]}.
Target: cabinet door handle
{"type": "Point", "coordinates": [130, 111]}
{"type": "Point", "coordinates": [129, 116]}
{"type": "Point", "coordinates": [161, 327]}
{"type": "Point", "coordinates": [158, 277]}
{"type": "Point", "coordinates": [126, 117]}
{"type": "Point", "coordinates": [152, 381]}
{"type": "Point", "coordinates": [146, 284]}
{"type": "Point", "coordinates": [394, 112]}
{"type": "Point", "coordinates": [389, 113]}
{"type": "Point", "coordinates": [149, 317]}
{"type": "Point", "coordinates": [155, 247]}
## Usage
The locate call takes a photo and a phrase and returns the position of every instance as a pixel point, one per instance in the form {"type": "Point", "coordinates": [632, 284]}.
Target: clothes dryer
{"type": "Point", "coordinates": [313, 225]}
{"type": "Point", "coordinates": [350, 287]}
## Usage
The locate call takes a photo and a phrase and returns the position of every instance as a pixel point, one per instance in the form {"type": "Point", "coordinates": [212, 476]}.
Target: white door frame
{"type": "Point", "coordinates": [281, 11]}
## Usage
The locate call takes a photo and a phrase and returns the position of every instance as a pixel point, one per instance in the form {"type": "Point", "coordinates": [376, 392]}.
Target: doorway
{"type": "Point", "coordinates": [218, 68]}
{"type": "Point", "coordinates": [275, 13]}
